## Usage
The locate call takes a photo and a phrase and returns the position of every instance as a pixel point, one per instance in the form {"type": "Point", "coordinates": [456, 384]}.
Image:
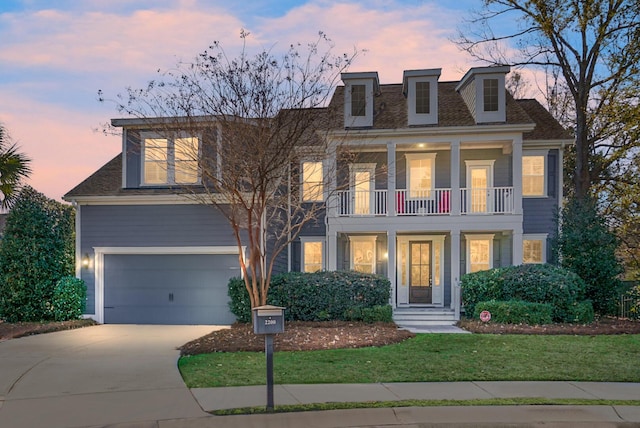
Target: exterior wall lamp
{"type": "Point", "coordinates": [85, 260]}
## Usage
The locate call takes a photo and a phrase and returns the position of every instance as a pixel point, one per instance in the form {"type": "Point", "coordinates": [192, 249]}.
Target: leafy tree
{"type": "Point", "coordinates": [36, 251]}
{"type": "Point", "coordinates": [263, 113]}
{"type": "Point", "coordinates": [14, 167]}
{"type": "Point", "coordinates": [592, 46]}
{"type": "Point", "coordinates": [586, 246]}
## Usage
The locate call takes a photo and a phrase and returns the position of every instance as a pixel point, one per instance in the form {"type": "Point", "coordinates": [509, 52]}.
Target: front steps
{"type": "Point", "coordinates": [423, 317]}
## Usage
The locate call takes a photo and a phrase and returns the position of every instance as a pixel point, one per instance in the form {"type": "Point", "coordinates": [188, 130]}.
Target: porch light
{"type": "Point", "coordinates": [385, 255]}
{"type": "Point", "coordinates": [85, 260]}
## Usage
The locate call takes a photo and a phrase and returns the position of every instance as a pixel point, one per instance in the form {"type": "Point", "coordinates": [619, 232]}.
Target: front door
{"type": "Point", "coordinates": [420, 279]}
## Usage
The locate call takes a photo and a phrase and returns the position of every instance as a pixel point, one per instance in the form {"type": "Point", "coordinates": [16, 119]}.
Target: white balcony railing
{"type": "Point", "coordinates": [494, 200]}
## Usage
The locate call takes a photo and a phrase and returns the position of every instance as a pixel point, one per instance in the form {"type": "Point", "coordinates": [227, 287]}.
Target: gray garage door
{"type": "Point", "coordinates": [168, 289]}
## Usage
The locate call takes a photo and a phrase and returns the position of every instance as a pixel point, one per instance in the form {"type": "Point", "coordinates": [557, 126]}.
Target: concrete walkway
{"type": "Point", "coordinates": [126, 377]}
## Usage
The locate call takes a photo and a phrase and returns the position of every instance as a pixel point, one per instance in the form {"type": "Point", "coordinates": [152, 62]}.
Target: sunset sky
{"type": "Point", "coordinates": [56, 54]}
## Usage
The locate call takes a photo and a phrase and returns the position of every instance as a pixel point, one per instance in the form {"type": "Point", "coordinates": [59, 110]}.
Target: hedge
{"type": "Point", "coordinates": [559, 287]}
{"type": "Point", "coordinates": [320, 296]}
{"type": "Point", "coordinates": [516, 312]}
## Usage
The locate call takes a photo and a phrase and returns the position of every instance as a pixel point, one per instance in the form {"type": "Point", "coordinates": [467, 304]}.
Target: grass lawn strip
{"type": "Point", "coordinates": [427, 403]}
{"type": "Point", "coordinates": [432, 358]}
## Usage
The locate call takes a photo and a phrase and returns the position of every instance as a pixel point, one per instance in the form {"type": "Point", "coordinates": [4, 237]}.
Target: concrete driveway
{"type": "Point", "coordinates": [94, 376]}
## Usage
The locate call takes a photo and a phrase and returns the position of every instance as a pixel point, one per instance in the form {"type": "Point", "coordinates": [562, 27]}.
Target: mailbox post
{"type": "Point", "coordinates": [268, 320]}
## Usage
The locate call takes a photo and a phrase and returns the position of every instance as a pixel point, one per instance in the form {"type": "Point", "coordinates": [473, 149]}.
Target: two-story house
{"type": "Point", "coordinates": [445, 178]}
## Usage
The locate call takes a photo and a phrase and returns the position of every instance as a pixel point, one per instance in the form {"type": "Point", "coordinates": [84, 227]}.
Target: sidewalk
{"type": "Point", "coordinates": [211, 399]}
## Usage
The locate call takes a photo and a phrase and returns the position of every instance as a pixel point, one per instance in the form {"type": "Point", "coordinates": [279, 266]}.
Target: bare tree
{"type": "Point", "coordinates": [593, 46]}
{"type": "Point", "coordinates": [261, 120]}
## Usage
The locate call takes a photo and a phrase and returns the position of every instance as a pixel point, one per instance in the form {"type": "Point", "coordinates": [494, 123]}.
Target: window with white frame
{"type": "Point", "coordinates": [534, 167]}
{"type": "Point", "coordinates": [363, 253]}
{"type": "Point", "coordinates": [490, 94]}
{"type": "Point", "coordinates": [312, 182]}
{"type": "Point", "coordinates": [312, 254]}
{"type": "Point", "coordinates": [420, 174]}
{"type": "Point", "coordinates": [534, 249]}
{"type": "Point", "coordinates": [358, 100]}
{"type": "Point", "coordinates": [479, 252]}
{"type": "Point", "coordinates": [170, 160]}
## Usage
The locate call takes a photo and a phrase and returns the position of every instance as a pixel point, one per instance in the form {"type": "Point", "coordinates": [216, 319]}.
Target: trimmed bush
{"type": "Point", "coordinates": [69, 298]}
{"type": "Point", "coordinates": [370, 315]}
{"type": "Point", "coordinates": [582, 312]}
{"type": "Point", "coordinates": [319, 296]}
{"type": "Point", "coordinates": [516, 312]}
{"type": "Point", "coordinates": [559, 287]}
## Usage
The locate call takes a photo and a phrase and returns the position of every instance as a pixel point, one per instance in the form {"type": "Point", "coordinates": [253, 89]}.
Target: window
{"type": "Point", "coordinates": [534, 249]}
{"type": "Point", "coordinates": [170, 161]}
{"type": "Point", "coordinates": [423, 97]}
{"type": "Point", "coordinates": [490, 92]}
{"type": "Point", "coordinates": [358, 100]}
{"type": "Point", "coordinates": [312, 182]}
{"type": "Point", "coordinates": [533, 175]}
{"type": "Point", "coordinates": [420, 174]}
{"type": "Point", "coordinates": [312, 255]}
{"type": "Point", "coordinates": [363, 253]}
{"type": "Point", "coordinates": [479, 252]}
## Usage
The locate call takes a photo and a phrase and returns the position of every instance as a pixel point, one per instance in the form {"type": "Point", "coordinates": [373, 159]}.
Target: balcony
{"type": "Point", "coordinates": [493, 200]}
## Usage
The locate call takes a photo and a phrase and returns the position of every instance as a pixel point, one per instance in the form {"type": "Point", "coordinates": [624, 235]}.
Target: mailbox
{"type": "Point", "coordinates": [268, 319]}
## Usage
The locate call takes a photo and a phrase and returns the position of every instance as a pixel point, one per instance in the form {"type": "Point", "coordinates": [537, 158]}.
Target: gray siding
{"type": "Point", "coordinates": [539, 214]}
{"type": "Point", "coordinates": [148, 226]}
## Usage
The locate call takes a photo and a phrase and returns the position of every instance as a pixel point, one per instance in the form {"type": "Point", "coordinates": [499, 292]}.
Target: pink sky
{"type": "Point", "coordinates": [53, 61]}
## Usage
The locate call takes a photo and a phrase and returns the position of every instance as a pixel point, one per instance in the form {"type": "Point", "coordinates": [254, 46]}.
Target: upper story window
{"type": "Point", "coordinates": [420, 174]}
{"type": "Point", "coordinates": [421, 89]}
{"type": "Point", "coordinates": [534, 174]}
{"type": "Point", "coordinates": [359, 90]}
{"type": "Point", "coordinates": [170, 160]}
{"type": "Point", "coordinates": [490, 94]}
{"type": "Point", "coordinates": [312, 182]}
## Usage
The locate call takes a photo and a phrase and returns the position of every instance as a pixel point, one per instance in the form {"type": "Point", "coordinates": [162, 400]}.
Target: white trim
{"type": "Point", "coordinates": [483, 116]}
{"type": "Point", "coordinates": [362, 167]}
{"type": "Point", "coordinates": [304, 240]}
{"type": "Point", "coordinates": [303, 180]}
{"type": "Point", "coordinates": [142, 199]}
{"type": "Point", "coordinates": [124, 158]}
{"type": "Point", "coordinates": [478, 237]}
{"type": "Point", "coordinates": [359, 121]}
{"type": "Point", "coordinates": [99, 253]}
{"type": "Point", "coordinates": [537, 237]}
{"type": "Point", "coordinates": [78, 242]}
{"type": "Point", "coordinates": [411, 78]}
{"type": "Point", "coordinates": [545, 173]}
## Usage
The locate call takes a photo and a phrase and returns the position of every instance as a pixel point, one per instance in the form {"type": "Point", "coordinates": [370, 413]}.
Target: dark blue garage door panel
{"type": "Point", "coordinates": [168, 288]}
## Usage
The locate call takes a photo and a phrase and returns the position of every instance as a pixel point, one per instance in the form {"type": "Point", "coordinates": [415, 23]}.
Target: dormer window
{"type": "Point", "coordinates": [167, 161]}
{"type": "Point", "coordinates": [483, 90]}
{"type": "Point", "coordinates": [490, 94]}
{"type": "Point", "coordinates": [358, 98]}
{"type": "Point", "coordinates": [421, 89]}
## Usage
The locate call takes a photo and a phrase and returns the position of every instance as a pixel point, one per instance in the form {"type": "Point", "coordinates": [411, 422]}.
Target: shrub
{"type": "Point", "coordinates": [516, 312]}
{"type": "Point", "coordinates": [69, 298]}
{"type": "Point", "coordinates": [587, 247]}
{"type": "Point", "coordinates": [559, 287]}
{"type": "Point", "coordinates": [370, 315]}
{"type": "Point", "coordinates": [317, 296]}
{"type": "Point", "coordinates": [581, 312]}
{"type": "Point", "coordinates": [544, 284]}
{"type": "Point", "coordinates": [37, 250]}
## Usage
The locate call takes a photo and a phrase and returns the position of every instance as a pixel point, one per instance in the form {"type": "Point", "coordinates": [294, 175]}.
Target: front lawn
{"type": "Point", "coordinates": [432, 358]}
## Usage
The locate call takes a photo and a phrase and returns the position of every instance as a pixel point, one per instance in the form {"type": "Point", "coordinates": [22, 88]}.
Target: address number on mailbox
{"type": "Point", "coordinates": [270, 322]}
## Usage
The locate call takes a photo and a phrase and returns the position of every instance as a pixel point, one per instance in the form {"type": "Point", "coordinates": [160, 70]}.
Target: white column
{"type": "Point", "coordinates": [455, 177]}
{"type": "Point", "coordinates": [391, 179]}
{"type": "Point", "coordinates": [332, 250]}
{"type": "Point", "coordinates": [517, 175]}
{"type": "Point", "coordinates": [517, 247]}
{"type": "Point", "coordinates": [455, 271]}
{"type": "Point", "coordinates": [391, 264]}
{"type": "Point", "coordinates": [330, 173]}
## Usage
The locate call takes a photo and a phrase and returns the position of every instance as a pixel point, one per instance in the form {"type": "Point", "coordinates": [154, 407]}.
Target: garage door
{"type": "Point", "coordinates": [168, 288]}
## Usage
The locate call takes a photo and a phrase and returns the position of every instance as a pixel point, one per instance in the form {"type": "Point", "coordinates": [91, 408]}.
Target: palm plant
{"type": "Point", "coordinates": [14, 167]}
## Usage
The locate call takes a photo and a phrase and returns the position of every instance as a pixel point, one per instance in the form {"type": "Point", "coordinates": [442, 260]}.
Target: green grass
{"type": "Point", "coordinates": [432, 358]}
{"type": "Point", "coordinates": [427, 403]}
